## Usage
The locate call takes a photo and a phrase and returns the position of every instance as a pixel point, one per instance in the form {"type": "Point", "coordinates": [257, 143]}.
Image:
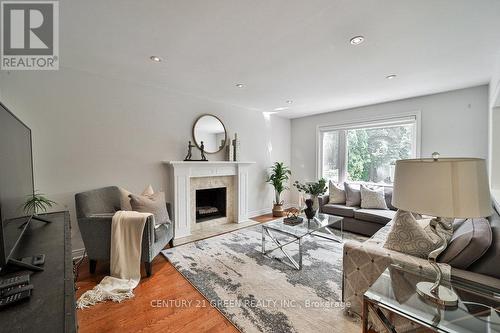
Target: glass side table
{"type": "Point", "coordinates": [395, 292]}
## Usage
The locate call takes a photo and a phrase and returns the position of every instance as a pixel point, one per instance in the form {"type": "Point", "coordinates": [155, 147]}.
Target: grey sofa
{"type": "Point", "coordinates": [95, 210]}
{"type": "Point", "coordinates": [364, 262]}
{"type": "Point", "coordinates": [361, 221]}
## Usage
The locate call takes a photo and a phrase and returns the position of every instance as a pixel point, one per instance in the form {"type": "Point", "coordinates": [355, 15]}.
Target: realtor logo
{"type": "Point", "coordinates": [30, 35]}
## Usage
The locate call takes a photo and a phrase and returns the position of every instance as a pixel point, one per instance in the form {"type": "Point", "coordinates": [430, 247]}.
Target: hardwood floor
{"type": "Point", "coordinates": [266, 217]}
{"type": "Point", "coordinates": [164, 302]}
{"type": "Point", "coordinates": [150, 310]}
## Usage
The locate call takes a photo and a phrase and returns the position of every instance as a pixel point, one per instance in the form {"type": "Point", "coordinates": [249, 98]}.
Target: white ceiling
{"type": "Point", "coordinates": [286, 49]}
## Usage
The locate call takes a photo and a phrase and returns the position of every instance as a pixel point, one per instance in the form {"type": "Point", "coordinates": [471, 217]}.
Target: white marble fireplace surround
{"type": "Point", "coordinates": [185, 177]}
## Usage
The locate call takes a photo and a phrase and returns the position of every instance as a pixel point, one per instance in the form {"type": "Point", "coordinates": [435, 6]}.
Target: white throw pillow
{"type": "Point", "coordinates": [337, 194]}
{"type": "Point", "coordinates": [416, 238]}
{"type": "Point", "coordinates": [373, 198]}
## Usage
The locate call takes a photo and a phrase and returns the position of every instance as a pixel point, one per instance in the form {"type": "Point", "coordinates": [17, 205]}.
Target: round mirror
{"type": "Point", "coordinates": [209, 129]}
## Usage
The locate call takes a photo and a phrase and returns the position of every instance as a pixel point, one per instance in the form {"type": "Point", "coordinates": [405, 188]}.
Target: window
{"type": "Point", "coordinates": [366, 152]}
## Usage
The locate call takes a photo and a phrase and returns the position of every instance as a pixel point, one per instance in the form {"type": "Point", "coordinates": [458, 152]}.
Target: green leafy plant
{"type": "Point", "coordinates": [37, 203]}
{"type": "Point", "coordinates": [313, 188]}
{"type": "Point", "coordinates": [280, 174]}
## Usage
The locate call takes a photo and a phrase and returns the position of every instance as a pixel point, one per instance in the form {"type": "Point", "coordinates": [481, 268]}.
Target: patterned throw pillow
{"type": "Point", "coordinates": [352, 195]}
{"type": "Point", "coordinates": [414, 237]}
{"type": "Point", "coordinates": [373, 198]}
{"type": "Point", "coordinates": [337, 194]}
{"type": "Point", "coordinates": [154, 204]}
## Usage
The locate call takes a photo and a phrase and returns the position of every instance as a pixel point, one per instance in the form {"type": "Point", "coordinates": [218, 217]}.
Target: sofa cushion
{"type": "Point", "coordinates": [339, 210]}
{"type": "Point", "coordinates": [337, 193]}
{"type": "Point", "coordinates": [373, 198]}
{"type": "Point", "coordinates": [416, 238]}
{"type": "Point", "coordinates": [470, 240]}
{"type": "Point", "coordinates": [352, 195]}
{"type": "Point", "coordinates": [374, 215]}
{"type": "Point", "coordinates": [489, 262]}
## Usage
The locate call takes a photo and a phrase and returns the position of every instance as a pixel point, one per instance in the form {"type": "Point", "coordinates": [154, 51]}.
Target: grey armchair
{"type": "Point", "coordinates": [94, 212]}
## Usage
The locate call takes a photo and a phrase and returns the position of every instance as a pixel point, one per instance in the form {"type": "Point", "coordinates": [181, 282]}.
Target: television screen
{"type": "Point", "coordinates": [16, 180]}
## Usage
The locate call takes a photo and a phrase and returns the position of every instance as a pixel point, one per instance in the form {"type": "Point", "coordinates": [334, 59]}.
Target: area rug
{"type": "Point", "coordinates": [258, 293]}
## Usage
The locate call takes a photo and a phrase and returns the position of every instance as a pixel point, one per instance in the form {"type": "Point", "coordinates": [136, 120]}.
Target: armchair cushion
{"type": "Point", "coordinates": [125, 199]}
{"type": "Point", "coordinates": [154, 204]}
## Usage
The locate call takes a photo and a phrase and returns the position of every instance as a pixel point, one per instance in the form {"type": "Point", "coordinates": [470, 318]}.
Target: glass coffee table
{"type": "Point", "coordinates": [394, 292]}
{"type": "Point", "coordinates": [319, 226]}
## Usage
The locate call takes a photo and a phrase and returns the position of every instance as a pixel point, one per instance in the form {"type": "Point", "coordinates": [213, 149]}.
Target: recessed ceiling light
{"type": "Point", "coordinates": [289, 101]}
{"type": "Point", "coordinates": [239, 85]}
{"type": "Point", "coordinates": [390, 77]}
{"type": "Point", "coordinates": [155, 58]}
{"type": "Point", "coordinates": [357, 40]}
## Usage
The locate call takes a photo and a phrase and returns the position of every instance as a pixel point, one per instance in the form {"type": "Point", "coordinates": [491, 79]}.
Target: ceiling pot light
{"type": "Point", "coordinates": [239, 85]}
{"type": "Point", "coordinates": [356, 40]}
{"type": "Point", "coordinates": [155, 58]}
{"type": "Point", "coordinates": [390, 77]}
{"type": "Point", "coordinates": [289, 101]}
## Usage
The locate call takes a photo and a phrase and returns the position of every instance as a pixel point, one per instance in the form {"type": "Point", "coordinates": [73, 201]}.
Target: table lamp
{"type": "Point", "coordinates": [444, 188]}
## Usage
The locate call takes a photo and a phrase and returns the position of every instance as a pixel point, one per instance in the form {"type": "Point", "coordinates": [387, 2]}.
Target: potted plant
{"type": "Point", "coordinates": [280, 174]}
{"type": "Point", "coordinates": [37, 203]}
{"type": "Point", "coordinates": [314, 189]}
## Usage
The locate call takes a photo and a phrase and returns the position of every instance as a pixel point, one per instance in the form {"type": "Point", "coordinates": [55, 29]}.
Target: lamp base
{"type": "Point", "coordinates": [445, 296]}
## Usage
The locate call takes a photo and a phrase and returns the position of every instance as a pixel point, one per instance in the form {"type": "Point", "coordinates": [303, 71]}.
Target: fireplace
{"type": "Point", "coordinates": [210, 204]}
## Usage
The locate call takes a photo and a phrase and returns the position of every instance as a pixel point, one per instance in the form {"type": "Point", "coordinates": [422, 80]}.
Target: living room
{"type": "Point", "coordinates": [112, 129]}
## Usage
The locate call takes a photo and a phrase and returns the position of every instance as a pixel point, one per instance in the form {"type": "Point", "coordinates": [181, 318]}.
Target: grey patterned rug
{"type": "Point", "coordinates": [260, 294]}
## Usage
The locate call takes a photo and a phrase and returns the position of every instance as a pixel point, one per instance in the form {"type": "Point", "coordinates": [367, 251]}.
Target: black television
{"type": "Point", "coordinates": [16, 184]}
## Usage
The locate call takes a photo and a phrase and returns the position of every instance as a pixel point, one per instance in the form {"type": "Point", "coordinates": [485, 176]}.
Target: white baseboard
{"type": "Point", "coordinates": [259, 212]}
{"type": "Point", "coordinates": [77, 253]}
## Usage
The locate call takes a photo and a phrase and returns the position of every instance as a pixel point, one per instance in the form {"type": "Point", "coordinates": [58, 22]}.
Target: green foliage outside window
{"type": "Point", "coordinates": [372, 152]}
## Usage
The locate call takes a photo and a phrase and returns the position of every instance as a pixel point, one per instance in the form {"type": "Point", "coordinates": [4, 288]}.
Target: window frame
{"type": "Point", "coordinates": [390, 120]}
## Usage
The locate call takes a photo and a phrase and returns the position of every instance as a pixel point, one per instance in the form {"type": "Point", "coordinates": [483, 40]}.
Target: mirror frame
{"type": "Point", "coordinates": [225, 132]}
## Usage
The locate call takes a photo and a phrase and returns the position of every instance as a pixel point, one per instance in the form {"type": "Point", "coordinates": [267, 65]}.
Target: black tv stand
{"type": "Point", "coordinates": [51, 307]}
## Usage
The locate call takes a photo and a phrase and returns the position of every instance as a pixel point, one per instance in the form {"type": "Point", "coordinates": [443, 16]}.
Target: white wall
{"type": "Point", "coordinates": [90, 131]}
{"type": "Point", "coordinates": [494, 133]}
{"type": "Point", "coordinates": [453, 123]}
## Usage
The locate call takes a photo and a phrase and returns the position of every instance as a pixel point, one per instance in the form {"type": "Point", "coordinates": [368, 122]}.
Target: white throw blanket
{"type": "Point", "coordinates": [125, 264]}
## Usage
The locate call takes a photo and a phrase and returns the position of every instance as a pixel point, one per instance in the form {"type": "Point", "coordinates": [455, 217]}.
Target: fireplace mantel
{"type": "Point", "coordinates": [180, 174]}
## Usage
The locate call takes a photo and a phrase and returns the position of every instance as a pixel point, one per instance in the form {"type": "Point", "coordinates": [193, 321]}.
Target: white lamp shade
{"type": "Point", "coordinates": [447, 187]}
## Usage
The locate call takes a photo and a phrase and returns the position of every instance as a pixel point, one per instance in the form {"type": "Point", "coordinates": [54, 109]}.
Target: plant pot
{"type": "Point", "coordinates": [278, 210]}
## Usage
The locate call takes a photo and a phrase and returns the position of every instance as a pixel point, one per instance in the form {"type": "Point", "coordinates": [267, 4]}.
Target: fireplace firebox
{"type": "Point", "coordinates": [210, 204]}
